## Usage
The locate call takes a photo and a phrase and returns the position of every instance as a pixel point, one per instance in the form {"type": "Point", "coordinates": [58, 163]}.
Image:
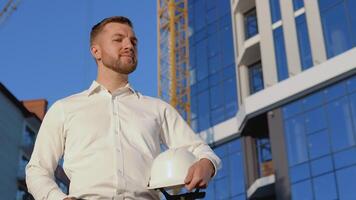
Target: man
{"type": "Point", "coordinates": [109, 134]}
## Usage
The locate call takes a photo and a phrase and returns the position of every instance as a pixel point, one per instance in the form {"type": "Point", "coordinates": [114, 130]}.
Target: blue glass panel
{"type": "Point", "coordinates": [335, 28]}
{"type": "Point", "coordinates": [296, 140]}
{"type": "Point", "coordinates": [224, 171]}
{"type": "Point", "coordinates": [199, 14]}
{"type": "Point", "coordinates": [203, 85]}
{"type": "Point", "coordinates": [350, 6]}
{"type": "Point", "coordinates": [223, 7]}
{"type": "Point", "coordinates": [292, 109]}
{"type": "Point", "coordinates": [302, 190]}
{"type": "Point", "coordinates": [315, 120]}
{"type": "Point", "coordinates": [313, 100]}
{"type": "Point", "coordinates": [352, 99]}
{"type": "Point", "coordinates": [321, 166]}
{"type": "Point", "coordinates": [275, 10]}
{"type": "Point", "coordinates": [324, 4]}
{"type": "Point", "coordinates": [216, 96]}
{"type": "Point", "coordinates": [230, 97]}
{"type": "Point", "coordinates": [335, 91]}
{"type": "Point", "coordinates": [192, 57]}
{"type": "Point", "coordinates": [234, 146]}
{"type": "Point", "coordinates": [203, 111]}
{"type": "Point", "coordinates": [297, 4]}
{"type": "Point", "coordinates": [216, 78]}
{"type": "Point", "coordinates": [240, 197]}
{"type": "Point", "coordinates": [210, 192]}
{"type": "Point", "coordinates": [318, 144]}
{"type": "Point", "coordinates": [303, 42]}
{"type": "Point", "coordinates": [255, 78]}
{"type": "Point", "coordinates": [221, 151]}
{"type": "Point", "coordinates": [340, 124]}
{"type": "Point", "coordinates": [325, 187]}
{"type": "Point", "coordinates": [351, 84]}
{"type": "Point", "coordinates": [264, 150]}
{"type": "Point", "coordinates": [211, 15]}
{"type": "Point", "coordinates": [346, 181]}
{"type": "Point", "coordinates": [299, 172]}
{"type": "Point", "coordinates": [214, 64]}
{"type": "Point", "coordinates": [213, 45]}
{"type": "Point", "coordinates": [345, 158]}
{"type": "Point", "coordinates": [280, 52]}
{"type": "Point", "coordinates": [251, 27]}
{"type": "Point", "coordinates": [194, 107]}
{"type": "Point", "coordinates": [222, 188]}
{"type": "Point", "coordinates": [210, 4]}
{"type": "Point", "coordinates": [201, 60]}
{"type": "Point", "coordinates": [227, 46]}
{"type": "Point", "coordinates": [237, 185]}
{"type": "Point", "coordinates": [213, 28]}
{"type": "Point", "coordinates": [229, 72]}
{"type": "Point", "coordinates": [217, 115]}
{"type": "Point", "coordinates": [225, 21]}
{"type": "Point", "coordinates": [200, 34]}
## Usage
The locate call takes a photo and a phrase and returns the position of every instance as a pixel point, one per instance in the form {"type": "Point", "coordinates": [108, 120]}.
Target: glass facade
{"type": "Point", "coordinates": [229, 181]}
{"type": "Point", "coordinates": [320, 132]}
{"type": "Point", "coordinates": [280, 53]}
{"type": "Point", "coordinates": [213, 77]}
{"type": "Point", "coordinates": [255, 77]}
{"type": "Point", "coordinates": [297, 4]}
{"type": "Point", "coordinates": [305, 54]}
{"type": "Point", "coordinates": [275, 10]}
{"type": "Point", "coordinates": [251, 27]}
{"type": "Point", "coordinates": [339, 25]}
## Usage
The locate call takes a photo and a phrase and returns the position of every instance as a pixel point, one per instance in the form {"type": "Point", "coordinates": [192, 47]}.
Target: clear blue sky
{"type": "Point", "coordinates": [44, 46]}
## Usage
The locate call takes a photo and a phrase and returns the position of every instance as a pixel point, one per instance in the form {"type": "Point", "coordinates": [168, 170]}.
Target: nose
{"type": "Point", "coordinates": [128, 45]}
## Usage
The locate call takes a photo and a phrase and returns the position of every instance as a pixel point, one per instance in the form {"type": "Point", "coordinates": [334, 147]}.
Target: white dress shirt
{"type": "Point", "coordinates": [108, 142]}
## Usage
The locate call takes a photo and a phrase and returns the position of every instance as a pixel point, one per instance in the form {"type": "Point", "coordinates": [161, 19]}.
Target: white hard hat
{"type": "Point", "coordinates": [170, 168]}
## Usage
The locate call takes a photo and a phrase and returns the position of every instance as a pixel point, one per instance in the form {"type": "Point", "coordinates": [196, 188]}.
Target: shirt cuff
{"type": "Point", "coordinates": [216, 163]}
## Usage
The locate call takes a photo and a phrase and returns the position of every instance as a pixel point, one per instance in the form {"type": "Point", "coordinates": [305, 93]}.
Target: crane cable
{"type": "Point", "coordinates": [8, 9]}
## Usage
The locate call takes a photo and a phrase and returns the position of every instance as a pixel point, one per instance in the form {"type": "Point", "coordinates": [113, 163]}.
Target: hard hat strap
{"type": "Point", "coordinates": [186, 196]}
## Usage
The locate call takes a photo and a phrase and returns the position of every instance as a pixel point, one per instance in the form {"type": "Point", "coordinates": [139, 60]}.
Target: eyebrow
{"type": "Point", "coordinates": [122, 35]}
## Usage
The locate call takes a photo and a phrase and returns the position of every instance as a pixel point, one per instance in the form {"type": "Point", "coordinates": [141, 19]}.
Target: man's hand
{"type": "Point", "coordinates": [199, 174]}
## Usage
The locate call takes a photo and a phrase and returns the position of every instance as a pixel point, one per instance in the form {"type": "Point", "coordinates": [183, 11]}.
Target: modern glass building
{"type": "Point", "coordinates": [214, 89]}
{"type": "Point", "coordinates": [273, 91]}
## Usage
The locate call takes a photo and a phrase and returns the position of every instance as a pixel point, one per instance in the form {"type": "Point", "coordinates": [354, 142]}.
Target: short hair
{"type": "Point", "coordinates": [97, 28]}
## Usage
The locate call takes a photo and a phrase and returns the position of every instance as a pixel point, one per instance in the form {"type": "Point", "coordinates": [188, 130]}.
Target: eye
{"type": "Point", "coordinates": [118, 39]}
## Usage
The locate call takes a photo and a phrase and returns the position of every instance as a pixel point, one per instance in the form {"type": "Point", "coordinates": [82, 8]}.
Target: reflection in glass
{"type": "Point", "coordinates": [280, 53]}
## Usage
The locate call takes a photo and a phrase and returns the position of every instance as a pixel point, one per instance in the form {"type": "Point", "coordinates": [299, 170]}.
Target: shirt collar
{"type": "Point", "coordinates": [96, 87]}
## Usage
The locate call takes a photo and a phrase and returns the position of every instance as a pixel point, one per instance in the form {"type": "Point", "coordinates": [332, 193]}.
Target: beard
{"type": "Point", "coordinates": [122, 65]}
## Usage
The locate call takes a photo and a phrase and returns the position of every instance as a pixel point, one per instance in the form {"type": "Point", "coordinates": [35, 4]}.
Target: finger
{"type": "Point", "coordinates": [189, 176]}
{"type": "Point", "coordinates": [195, 181]}
{"type": "Point", "coordinates": [203, 185]}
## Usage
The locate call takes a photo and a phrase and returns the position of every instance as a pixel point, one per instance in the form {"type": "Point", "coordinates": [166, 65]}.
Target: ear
{"type": "Point", "coordinates": [95, 51]}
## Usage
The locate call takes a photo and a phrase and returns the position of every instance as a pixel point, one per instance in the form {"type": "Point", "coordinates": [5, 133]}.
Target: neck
{"type": "Point", "coordinates": [110, 79]}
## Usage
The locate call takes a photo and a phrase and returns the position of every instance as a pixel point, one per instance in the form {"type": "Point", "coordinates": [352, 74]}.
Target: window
{"type": "Point", "coordinates": [28, 137]}
{"type": "Point", "coordinates": [321, 144]}
{"type": "Point", "coordinates": [255, 77]}
{"type": "Point", "coordinates": [339, 25]}
{"type": "Point", "coordinates": [303, 42]}
{"type": "Point", "coordinates": [280, 53]}
{"type": "Point", "coordinates": [297, 4]}
{"type": "Point", "coordinates": [229, 182]}
{"type": "Point", "coordinates": [251, 27]}
{"type": "Point", "coordinates": [275, 10]}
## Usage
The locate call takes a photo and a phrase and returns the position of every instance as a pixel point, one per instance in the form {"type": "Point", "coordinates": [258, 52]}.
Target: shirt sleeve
{"type": "Point", "coordinates": [176, 133]}
{"type": "Point", "coordinates": [47, 151]}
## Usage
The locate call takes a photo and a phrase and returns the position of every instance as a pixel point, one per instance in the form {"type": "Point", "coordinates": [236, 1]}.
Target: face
{"type": "Point", "coordinates": [116, 48]}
